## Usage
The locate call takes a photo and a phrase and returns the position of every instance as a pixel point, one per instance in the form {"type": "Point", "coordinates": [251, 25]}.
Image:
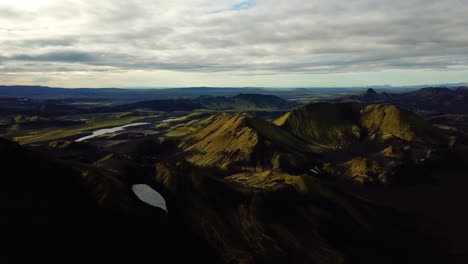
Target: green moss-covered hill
{"type": "Point", "coordinates": [340, 124]}
{"type": "Point", "coordinates": [356, 138]}
{"type": "Point", "coordinates": [347, 140]}
{"type": "Point", "coordinates": [233, 142]}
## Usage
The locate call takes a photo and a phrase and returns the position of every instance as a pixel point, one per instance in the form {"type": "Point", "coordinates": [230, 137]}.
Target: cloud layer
{"type": "Point", "coordinates": [263, 37]}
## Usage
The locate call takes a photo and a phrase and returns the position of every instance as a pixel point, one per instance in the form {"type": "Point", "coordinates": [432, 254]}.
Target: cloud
{"type": "Point", "coordinates": [77, 57]}
{"type": "Point", "coordinates": [263, 37]}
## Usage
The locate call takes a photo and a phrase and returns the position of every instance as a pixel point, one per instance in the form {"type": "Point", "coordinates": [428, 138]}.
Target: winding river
{"type": "Point", "coordinates": [104, 131]}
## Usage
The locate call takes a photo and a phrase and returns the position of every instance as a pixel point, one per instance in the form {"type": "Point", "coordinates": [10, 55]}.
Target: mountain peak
{"type": "Point", "coordinates": [341, 124]}
{"type": "Point", "coordinates": [227, 139]}
{"type": "Point", "coordinates": [231, 140]}
{"type": "Point", "coordinates": [371, 91]}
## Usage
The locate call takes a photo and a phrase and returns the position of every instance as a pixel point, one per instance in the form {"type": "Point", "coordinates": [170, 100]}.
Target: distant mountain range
{"type": "Point", "coordinates": [119, 95]}
{"type": "Point", "coordinates": [430, 100]}
{"type": "Point", "coordinates": [134, 95]}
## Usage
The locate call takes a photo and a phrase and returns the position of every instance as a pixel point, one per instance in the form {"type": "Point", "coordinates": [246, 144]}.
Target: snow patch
{"type": "Point", "coordinates": [148, 195]}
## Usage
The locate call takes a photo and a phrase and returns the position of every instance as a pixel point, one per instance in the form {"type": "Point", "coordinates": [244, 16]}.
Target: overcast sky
{"type": "Point", "coordinates": [268, 43]}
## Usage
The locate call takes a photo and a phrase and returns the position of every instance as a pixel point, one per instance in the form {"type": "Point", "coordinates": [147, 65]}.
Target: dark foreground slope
{"type": "Point", "coordinates": [54, 215]}
{"type": "Point", "coordinates": [51, 214]}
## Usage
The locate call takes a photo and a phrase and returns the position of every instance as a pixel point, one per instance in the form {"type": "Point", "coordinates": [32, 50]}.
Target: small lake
{"type": "Point", "coordinates": [104, 131]}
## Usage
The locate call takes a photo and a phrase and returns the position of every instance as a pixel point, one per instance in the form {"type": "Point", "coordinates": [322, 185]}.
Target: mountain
{"type": "Point", "coordinates": [355, 138]}
{"type": "Point", "coordinates": [255, 189]}
{"type": "Point", "coordinates": [371, 94]}
{"type": "Point", "coordinates": [341, 124]}
{"type": "Point", "coordinates": [238, 141]}
{"type": "Point", "coordinates": [350, 141]}
{"type": "Point", "coordinates": [429, 100]}
{"type": "Point", "coordinates": [323, 123]}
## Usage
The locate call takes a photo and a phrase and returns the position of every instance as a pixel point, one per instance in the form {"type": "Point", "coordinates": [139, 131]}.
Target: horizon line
{"type": "Point", "coordinates": [384, 86]}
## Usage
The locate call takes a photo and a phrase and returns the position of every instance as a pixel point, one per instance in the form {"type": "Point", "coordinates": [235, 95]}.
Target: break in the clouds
{"type": "Point", "coordinates": [232, 43]}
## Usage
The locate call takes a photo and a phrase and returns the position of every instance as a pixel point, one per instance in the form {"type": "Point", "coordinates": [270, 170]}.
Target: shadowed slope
{"type": "Point", "coordinates": [52, 213]}
{"type": "Point", "coordinates": [323, 123]}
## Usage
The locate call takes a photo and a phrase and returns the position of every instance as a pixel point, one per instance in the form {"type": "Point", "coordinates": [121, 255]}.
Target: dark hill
{"type": "Point", "coordinates": [284, 218]}
{"type": "Point", "coordinates": [372, 95]}
{"type": "Point", "coordinates": [238, 102]}
{"type": "Point", "coordinates": [246, 102]}
{"type": "Point", "coordinates": [332, 124]}
{"type": "Point", "coordinates": [51, 214]}
{"type": "Point", "coordinates": [433, 91]}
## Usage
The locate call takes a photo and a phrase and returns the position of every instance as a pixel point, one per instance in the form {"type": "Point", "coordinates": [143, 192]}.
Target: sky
{"type": "Point", "coordinates": [262, 43]}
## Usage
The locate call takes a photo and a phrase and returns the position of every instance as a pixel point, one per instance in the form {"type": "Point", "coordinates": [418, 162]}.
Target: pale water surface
{"type": "Point", "coordinates": [104, 131]}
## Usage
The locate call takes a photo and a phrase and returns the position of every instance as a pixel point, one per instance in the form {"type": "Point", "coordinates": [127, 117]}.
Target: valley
{"type": "Point", "coordinates": [340, 177]}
